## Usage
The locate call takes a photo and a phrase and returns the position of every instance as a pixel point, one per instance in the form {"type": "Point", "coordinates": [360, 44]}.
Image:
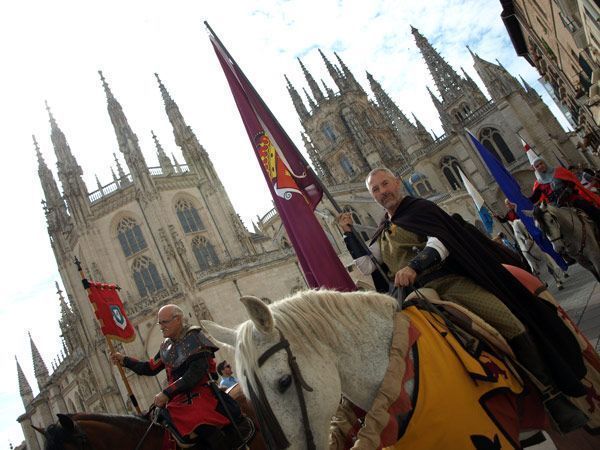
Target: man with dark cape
{"type": "Point", "coordinates": [419, 244]}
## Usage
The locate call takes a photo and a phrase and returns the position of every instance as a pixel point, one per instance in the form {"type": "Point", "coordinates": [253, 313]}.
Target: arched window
{"type": "Point", "coordinates": [451, 170]}
{"type": "Point", "coordinates": [188, 217]}
{"type": "Point", "coordinates": [329, 133]}
{"type": "Point", "coordinates": [494, 142]}
{"type": "Point", "coordinates": [347, 165]}
{"type": "Point", "coordinates": [204, 252]}
{"type": "Point", "coordinates": [130, 236]}
{"type": "Point", "coordinates": [146, 276]}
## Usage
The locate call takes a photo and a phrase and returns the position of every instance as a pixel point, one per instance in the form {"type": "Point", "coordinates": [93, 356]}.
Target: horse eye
{"type": "Point", "coordinates": [284, 383]}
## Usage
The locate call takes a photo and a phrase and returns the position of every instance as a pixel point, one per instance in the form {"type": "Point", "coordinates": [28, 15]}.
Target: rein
{"type": "Point", "coordinates": [270, 426]}
{"type": "Point", "coordinates": [153, 421]}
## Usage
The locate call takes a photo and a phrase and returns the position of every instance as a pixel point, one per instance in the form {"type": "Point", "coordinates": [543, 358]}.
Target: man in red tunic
{"type": "Point", "coordinates": [188, 357]}
{"type": "Point", "coordinates": [561, 187]}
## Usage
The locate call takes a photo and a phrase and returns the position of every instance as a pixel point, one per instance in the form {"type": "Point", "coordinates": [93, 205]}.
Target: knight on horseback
{"type": "Point", "coordinates": [194, 412]}
{"type": "Point", "coordinates": [561, 187]}
{"type": "Point", "coordinates": [418, 244]}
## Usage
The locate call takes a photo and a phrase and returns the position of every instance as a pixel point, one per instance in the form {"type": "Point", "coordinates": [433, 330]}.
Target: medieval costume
{"type": "Point", "coordinates": [422, 236]}
{"type": "Point", "coordinates": [192, 406]}
{"type": "Point", "coordinates": [561, 187]}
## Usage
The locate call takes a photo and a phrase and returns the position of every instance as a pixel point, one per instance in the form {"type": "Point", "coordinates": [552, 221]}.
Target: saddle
{"type": "Point", "coordinates": [233, 436]}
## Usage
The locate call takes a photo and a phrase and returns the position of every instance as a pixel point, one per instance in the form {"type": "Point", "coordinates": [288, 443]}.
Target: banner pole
{"type": "Point", "coordinates": [111, 348]}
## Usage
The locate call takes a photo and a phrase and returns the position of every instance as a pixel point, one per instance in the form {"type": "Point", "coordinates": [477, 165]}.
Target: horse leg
{"type": "Point", "coordinates": [554, 269]}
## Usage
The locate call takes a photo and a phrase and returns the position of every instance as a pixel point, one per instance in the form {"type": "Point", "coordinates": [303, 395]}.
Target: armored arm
{"type": "Point", "coordinates": [433, 253]}
{"type": "Point", "coordinates": [197, 367]}
{"type": "Point", "coordinates": [148, 368]}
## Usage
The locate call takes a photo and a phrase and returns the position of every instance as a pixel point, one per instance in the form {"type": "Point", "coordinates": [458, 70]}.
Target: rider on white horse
{"type": "Point", "coordinates": [561, 187]}
{"type": "Point", "coordinates": [421, 245]}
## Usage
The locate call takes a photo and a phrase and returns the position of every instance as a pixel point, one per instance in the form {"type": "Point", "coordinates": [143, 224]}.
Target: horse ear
{"type": "Point", "coordinates": [259, 313]}
{"type": "Point", "coordinates": [39, 430]}
{"type": "Point", "coordinates": [66, 422]}
{"type": "Point", "coordinates": [221, 334]}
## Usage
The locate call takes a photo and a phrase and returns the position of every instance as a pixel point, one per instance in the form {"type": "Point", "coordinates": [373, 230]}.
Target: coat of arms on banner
{"type": "Point", "coordinates": [117, 316]}
{"type": "Point", "coordinates": [276, 167]}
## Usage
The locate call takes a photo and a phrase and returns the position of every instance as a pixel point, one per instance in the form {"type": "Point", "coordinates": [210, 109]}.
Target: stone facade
{"type": "Point", "coordinates": [169, 234]}
{"type": "Point", "coordinates": [557, 38]}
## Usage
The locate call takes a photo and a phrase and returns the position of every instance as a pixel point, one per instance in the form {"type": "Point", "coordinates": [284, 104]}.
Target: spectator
{"type": "Point", "coordinates": [227, 378]}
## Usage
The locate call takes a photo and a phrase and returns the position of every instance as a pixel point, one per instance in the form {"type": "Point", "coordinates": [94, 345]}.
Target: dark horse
{"type": "Point", "coordinates": [83, 431]}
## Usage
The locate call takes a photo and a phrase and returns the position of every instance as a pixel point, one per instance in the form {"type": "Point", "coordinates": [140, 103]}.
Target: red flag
{"type": "Point", "coordinates": [294, 187]}
{"type": "Point", "coordinates": [110, 312]}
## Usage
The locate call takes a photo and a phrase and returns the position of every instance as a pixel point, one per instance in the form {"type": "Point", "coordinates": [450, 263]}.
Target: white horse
{"type": "Point", "coordinates": [297, 356]}
{"type": "Point", "coordinates": [535, 256]}
{"type": "Point", "coordinates": [571, 232]}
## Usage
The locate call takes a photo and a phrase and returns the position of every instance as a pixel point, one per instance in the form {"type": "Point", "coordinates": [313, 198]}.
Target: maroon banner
{"type": "Point", "coordinates": [110, 312]}
{"type": "Point", "coordinates": [293, 185]}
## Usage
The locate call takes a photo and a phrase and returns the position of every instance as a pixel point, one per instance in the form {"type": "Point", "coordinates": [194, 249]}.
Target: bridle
{"type": "Point", "coordinates": [270, 427]}
{"type": "Point", "coordinates": [583, 229]}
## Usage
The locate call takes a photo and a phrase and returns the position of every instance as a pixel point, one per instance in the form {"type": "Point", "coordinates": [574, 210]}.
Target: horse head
{"type": "Point", "coordinates": [64, 435]}
{"type": "Point", "coordinates": [288, 368]}
{"type": "Point", "coordinates": [546, 219]}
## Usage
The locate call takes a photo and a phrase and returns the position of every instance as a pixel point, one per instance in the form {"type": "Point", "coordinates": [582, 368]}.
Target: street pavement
{"type": "Point", "coordinates": [580, 298]}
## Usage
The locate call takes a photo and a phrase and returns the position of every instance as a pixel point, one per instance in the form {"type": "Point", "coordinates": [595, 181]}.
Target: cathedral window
{"type": "Point", "coordinates": [188, 217]}
{"type": "Point", "coordinates": [329, 133]}
{"type": "Point", "coordinates": [347, 166]}
{"type": "Point", "coordinates": [146, 276]}
{"type": "Point", "coordinates": [494, 142]}
{"type": "Point", "coordinates": [204, 252]}
{"type": "Point", "coordinates": [130, 236]}
{"type": "Point", "coordinates": [451, 170]}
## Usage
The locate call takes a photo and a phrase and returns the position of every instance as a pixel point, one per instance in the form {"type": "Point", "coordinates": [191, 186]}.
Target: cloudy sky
{"type": "Point", "coordinates": [52, 51]}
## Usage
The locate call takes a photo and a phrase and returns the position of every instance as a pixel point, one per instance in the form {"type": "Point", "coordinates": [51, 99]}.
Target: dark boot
{"type": "Point", "coordinates": [240, 435]}
{"type": "Point", "coordinates": [565, 415]}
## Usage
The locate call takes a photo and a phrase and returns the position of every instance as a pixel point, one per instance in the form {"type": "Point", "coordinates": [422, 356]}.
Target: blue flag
{"type": "Point", "coordinates": [486, 218]}
{"type": "Point", "coordinates": [512, 191]}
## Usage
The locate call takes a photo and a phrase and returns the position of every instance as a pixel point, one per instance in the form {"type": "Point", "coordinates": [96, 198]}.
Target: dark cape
{"type": "Point", "coordinates": [471, 258]}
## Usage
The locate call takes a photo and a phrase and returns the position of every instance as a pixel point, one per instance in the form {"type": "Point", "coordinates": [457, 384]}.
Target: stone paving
{"type": "Point", "coordinates": [581, 299]}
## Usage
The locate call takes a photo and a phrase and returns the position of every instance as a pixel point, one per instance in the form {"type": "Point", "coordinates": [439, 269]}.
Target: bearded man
{"type": "Point", "coordinates": [420, 245]}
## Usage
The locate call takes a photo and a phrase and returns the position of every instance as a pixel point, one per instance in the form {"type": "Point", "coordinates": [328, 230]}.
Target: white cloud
{"type": "Point", "coordinates": [52, 50]}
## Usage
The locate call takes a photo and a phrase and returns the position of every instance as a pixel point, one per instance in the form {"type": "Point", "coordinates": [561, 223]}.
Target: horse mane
{"type": "Point", "coordinates": [311, 318]}
{"type": "Point", "coordinates": [538, 215]}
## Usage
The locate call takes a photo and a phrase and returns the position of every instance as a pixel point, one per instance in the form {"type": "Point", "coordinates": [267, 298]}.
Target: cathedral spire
{"type": "Point", "coordinates": [54, 200]}
{"type": "Point", "coordinates": [328, 90]}
{"type": "Point", "coordinates": [128, 143]}
{"type": "Point", "coordinates": [194, 154]}
{"type": "Point", "coordinates": [495, 77]}
{"type": "Point", "coordinates": [120, 170]}
{"type": "Point", "coordinates": [444, 116]}
{"type": "Point", "coordinates": [405, 130]}
{"type": "Point", "coordinates": [348, 75]}
{"type": "Point", "coordinates": [39, 366]}
{"type": "Point", "coordinates": [70, 174]}
{"type": "Point", "coordinates": [312, 84]}
{"type": "Point", "coordinates": [333, 72]}
{"type": "Point", "coordinates": [447, 81]}
{"type": "Point", "coordinates": [309, 99]}
{"type": "Point", "coordinates": [24, 386]}
{"type": "Point", "coordinates": [297, 100]}
{"type": "Point", "coordinates": [165, 163]}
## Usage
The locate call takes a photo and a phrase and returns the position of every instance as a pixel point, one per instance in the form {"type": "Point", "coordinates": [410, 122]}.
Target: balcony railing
{"type": "Point", "coordinates": [127, 180]}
